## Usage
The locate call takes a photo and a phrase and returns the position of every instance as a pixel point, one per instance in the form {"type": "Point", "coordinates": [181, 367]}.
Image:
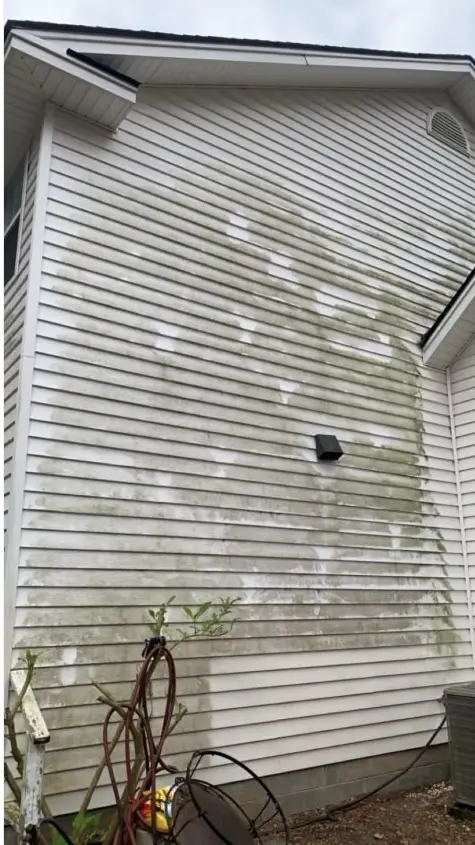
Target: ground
{"type": "Point", "coordinates": [418, 817]}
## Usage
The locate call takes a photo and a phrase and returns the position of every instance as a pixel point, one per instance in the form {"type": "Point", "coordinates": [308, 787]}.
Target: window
{"type": "Point", "coordinates": [12, 202]}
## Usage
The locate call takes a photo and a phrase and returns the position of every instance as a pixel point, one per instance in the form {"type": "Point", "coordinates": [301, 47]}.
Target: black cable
{"type": "Point", "coordinates": [57, 827]}
{"type": "Point", "coordinates": [328, 815]}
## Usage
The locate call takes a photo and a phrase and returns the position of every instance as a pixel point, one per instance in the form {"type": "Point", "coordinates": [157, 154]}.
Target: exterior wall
{"type": "Point", "coordinates": [462, 380]}
{"type": "Point", "coordinates": [330, 785]}
{"type": "Point", "coordinates": [14, 317]}
{"type": "Point", "coordinates": [232, 273]}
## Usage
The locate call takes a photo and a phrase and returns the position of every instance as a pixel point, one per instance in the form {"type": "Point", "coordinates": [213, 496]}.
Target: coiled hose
{"type": "Point", "coordinates": [152, 762]}
{"type": "Point", "coordinates": [129, 802]}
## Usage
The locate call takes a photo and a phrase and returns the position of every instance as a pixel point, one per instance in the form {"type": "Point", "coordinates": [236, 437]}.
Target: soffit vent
{"type": "Point", "coordinates": [447, 129]}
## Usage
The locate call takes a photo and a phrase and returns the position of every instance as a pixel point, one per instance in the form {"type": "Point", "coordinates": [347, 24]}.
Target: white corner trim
{"type": "Point", "coordinates": [439, 351]}
{"type": "Point", "coordinates": [461, 518]}
{"type": "Point", "coordinates": [25, 386]}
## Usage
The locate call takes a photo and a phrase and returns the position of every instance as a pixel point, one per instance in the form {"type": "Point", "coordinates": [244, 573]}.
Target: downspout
{"type": "Point", "coordinates": [460, 513]}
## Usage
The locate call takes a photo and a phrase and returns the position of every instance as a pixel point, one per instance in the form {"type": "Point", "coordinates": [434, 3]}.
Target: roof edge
{"type": "Point", "coordinates": [113, 32]}
{"type": "Point", "coordinates": [112, 72]}
{"type": "Point", "coordinates": [448, 308]}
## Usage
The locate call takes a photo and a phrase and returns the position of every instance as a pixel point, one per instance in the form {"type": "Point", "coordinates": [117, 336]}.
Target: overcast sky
{"type": "Point", "coordinates": [446, 26]}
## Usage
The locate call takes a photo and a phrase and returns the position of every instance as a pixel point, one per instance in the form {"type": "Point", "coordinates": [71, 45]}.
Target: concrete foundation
{"type": "Point", "coordinates": [313, 789]}
{"type": "Point", "coordinates": [310, 789]}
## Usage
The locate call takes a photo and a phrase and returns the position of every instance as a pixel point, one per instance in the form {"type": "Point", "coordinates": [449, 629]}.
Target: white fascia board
{"type": "Point", "coordinates": [448, 66]}
{"type": "Point", "coordinates": [177, 50]}
{"type": "Point", "coordinates": [41, 52]}
{"type": "Point", "coordinates": [151, 48]}
{"type": "Point", "coordinates": [439, 350]}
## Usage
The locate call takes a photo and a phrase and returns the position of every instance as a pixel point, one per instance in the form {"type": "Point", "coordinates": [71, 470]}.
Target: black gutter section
{"type": "Point", "coordinates": [427, 336]}
{"type": "Point", "coordinates": [110, 71]}
{"type": "Point", "coordinates": [111, 32]}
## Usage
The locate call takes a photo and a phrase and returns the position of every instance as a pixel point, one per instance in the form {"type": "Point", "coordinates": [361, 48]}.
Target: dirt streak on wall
{"type": "Point", "coordinates": [230, 275]}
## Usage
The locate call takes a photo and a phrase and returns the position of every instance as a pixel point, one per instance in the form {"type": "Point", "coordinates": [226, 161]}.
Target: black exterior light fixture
{"type": "Point", "coordinates": [328, 447]}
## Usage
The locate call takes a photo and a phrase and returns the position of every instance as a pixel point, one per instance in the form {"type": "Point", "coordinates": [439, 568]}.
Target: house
{"type": "Point", "coordinates": [217, 249]}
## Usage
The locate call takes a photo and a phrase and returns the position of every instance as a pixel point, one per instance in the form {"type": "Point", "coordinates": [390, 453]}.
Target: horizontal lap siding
{"type": "Point", "coordinates": [462, 376]}
{"type": "Point", "coordinates": [14, 314]}
{"type": "Point", "coordinates": [230, 274]}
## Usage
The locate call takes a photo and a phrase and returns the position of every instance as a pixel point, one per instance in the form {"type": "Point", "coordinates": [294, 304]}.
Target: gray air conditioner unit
{"type": "Point", "coordinates": [460, 709]}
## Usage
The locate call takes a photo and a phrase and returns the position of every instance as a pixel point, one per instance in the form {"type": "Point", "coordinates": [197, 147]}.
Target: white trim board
{"type": "Point", "coordinates": [292, 65]}
{"type": "Point", "coordinates": [453, 332]}
{"type": "Point", "coordinates": [25, 385]}
{"type": "Point", "coordinates": [155, 48]}
{"type": "Point", "coordinates": [463, 538]}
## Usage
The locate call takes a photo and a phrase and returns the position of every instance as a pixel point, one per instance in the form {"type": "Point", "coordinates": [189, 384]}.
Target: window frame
{"type": "Point", "coordinates": [17, 219]}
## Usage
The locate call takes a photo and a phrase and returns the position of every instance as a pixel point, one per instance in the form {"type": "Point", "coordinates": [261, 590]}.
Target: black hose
{"type": "Point", "coordinates": [328, 815]}
{"type": "Point", "coordinates": [57, 827]}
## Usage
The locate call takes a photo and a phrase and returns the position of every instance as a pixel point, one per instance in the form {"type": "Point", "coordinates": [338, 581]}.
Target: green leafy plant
{"type": "Point", "coordinates": [159, 618]}
{"type": "Point", "coordinates": [86, 828]}
{"type": "Point", "coordinates": [205, 621]}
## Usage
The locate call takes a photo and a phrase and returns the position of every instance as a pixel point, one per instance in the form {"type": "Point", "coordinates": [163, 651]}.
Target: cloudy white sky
{"type": "Point", "coordinates": [415, 25]}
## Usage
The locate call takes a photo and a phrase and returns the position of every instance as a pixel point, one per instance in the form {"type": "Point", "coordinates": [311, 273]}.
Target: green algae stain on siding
{"type": "Point", "coordinates": [277, 260]}
{"type": "Point", "coordinates": [400, 358]}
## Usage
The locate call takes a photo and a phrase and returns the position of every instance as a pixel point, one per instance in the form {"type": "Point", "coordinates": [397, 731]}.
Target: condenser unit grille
{"type": "Point", "coordinates": [460, 709]}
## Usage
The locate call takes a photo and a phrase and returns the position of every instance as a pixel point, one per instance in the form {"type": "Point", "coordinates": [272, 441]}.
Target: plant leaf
{"type": "Point", "coordinates": [202, 609]}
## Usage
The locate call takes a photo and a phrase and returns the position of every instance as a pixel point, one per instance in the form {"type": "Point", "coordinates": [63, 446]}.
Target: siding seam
{"type": "Point", "coordinates": [461, 515]}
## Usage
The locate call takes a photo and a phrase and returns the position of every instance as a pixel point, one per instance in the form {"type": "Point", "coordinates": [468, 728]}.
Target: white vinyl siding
{"type": "Point", "coordinates": [230, 274]}
{"type": "Point", "coordinates": [14, 312]}
{"type": "Point", "coordinates": [462, 376]}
